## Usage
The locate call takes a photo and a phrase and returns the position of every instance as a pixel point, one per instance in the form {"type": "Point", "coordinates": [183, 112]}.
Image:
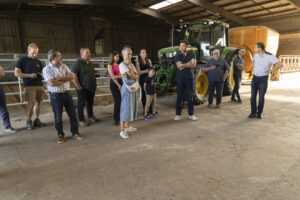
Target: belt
{"type": "Point", "coordinates": [260, 76]}
{"type": "Point", "coordinates": [59, 92]}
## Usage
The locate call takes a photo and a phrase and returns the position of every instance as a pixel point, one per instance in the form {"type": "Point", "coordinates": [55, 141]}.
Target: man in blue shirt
{"type": "Point", "coordinates": [262, 65]}
{"type": "Point", "coordinates": [29, 68]}
{"type": "Point", "coordinates": [217, 71]}
{"type": "Point", "coordinates": [185, 62]}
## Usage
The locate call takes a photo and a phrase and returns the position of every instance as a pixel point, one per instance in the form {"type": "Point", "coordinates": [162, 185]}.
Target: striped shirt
{"type": "Point", "coordinates": [51, 72]}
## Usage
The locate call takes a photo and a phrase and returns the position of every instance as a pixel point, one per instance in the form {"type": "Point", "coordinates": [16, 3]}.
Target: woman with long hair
{"type": "Point", "coordinates": [115, 83]}
{"type": "Point", "coordinates": [143, 69]}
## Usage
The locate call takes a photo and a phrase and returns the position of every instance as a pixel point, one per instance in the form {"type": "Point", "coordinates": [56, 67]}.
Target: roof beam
{"type": "Point", "coordinates": [216, 9]}
{"type": "Point", "coordinates": [259, 10]}
{"type": "Point", "coordinates": [118, 3]}
{"type": "Point", "coordinates": [296, 3]}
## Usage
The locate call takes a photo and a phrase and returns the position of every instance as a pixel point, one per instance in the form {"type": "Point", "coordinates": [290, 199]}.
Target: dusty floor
{"type": "Point", "coordinates": [223, 156]}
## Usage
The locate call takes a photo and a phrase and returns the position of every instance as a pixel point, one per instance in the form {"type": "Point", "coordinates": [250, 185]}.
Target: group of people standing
{"type": "Point", "coordinates": [126, 80]}
{"type": "Point", "coordinates": [57, 76]}
{"type": "Point", "coordinates": [217, 70]}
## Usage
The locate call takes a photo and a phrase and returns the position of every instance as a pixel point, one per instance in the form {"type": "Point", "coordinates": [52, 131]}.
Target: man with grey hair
{"type": "Point", "coordinates": [57, 76]}
{"type": "Point", "coordinates": [85, 82]}
{"type": "Point", "coordinates": [217, 71]}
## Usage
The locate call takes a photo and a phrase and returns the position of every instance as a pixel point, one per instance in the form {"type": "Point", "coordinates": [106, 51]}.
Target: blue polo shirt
{"type": "Point", "coordinates": [221, 67]}
{"type": "Point", "coordinates": [186, 73]}
{"type": "Point", "coordinates": [29, 66]}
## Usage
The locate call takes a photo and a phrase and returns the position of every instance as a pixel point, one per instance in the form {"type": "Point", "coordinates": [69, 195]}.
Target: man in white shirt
{"type": "Point", "coordinates": [262, 63]}
{"type": "Point", "coordinates": [57, 76]}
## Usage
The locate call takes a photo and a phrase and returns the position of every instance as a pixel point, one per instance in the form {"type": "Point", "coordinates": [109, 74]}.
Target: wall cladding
{"type": "Point", "coordinates": [66, 33]}
{"type": "Point", "coordinates": [290, 24]}
{"type": "Point", "coordinates": [118, 35]}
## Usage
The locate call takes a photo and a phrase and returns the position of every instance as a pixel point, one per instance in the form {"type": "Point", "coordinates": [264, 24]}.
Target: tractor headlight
{"type": "Point", "coordinates": [169, 55]}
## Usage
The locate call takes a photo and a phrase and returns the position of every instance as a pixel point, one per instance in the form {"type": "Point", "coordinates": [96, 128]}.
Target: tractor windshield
{"type": "Point", "coordinates": [219, 36]}
{"type": "Point", "coordinates": [201, 32]}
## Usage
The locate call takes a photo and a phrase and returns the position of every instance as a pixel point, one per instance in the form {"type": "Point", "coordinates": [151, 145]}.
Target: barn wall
{"type": "Point", "coordinates": [288, 42]}
{"type": "Point", "coordinates": [65, 33]}
{"type": "Point", "coordinates": [69, 33]}
{"type": "Point", "coordinates": [138, 37]}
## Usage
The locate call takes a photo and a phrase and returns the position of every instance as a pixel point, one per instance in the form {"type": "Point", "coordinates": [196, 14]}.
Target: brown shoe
{"type": "Point", "coordinates": [83, 124]}
{"type": "Point", "coordinates": [61, 139]}
{"type": "Point", "coordinates": [77, 136]}
{"type": "Point", "coordinates": [218, 106]}
{"type": "Point", "coordinates": [209, 105]}
{"type": "Point", "coordinates": [94, 119]}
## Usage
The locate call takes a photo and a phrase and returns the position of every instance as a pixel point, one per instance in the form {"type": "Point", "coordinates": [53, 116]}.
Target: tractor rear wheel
{"type": "Point", "coordinates": [229, 82]}
{"type": "Point", "coordinates": [201, 87]}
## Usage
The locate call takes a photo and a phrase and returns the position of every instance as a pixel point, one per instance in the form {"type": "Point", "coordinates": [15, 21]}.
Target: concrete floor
{"type": "Point", "coordinates": [223, 156]}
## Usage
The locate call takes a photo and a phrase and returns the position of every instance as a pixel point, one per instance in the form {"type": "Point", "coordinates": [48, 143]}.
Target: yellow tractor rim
{"type": "Point", "coordinates": [231, 75]}
{"type": "Point", "coordinates": [202, 85]}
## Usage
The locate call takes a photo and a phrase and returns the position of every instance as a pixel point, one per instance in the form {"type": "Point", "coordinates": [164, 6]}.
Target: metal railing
{"type": "Point", "coordinates": [101, 75]}
{"type": "Point", "coordinates": [291, 63]}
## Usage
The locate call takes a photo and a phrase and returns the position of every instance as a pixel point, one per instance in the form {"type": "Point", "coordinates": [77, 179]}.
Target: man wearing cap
{"type": "Point", "coordinates": [185, 61]}
{"type": "Point", "coordinates": [217, 70]}
{"type": "Point", "coordinates": [262, 65]}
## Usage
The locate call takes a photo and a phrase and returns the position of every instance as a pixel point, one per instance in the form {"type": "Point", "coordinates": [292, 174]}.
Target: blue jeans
{"type": "Point", "coordinates": [58, 101]}
{"type": "Point", "coordinates": [3, 109]}
{"type": "Point", "coordinates": [237, 80]}
{"type": "Point", "coordinates": [185, 86]}
{"type": "Point", "coordinates": [85, 96]}
{"type": "Point", "coordinates": [260, 85]}
{"type": "Point", "coordinates": [212, 86]}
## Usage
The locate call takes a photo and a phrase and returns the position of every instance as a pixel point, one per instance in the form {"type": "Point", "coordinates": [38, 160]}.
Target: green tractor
{"type": "Point", "coordinates": [203, 37]}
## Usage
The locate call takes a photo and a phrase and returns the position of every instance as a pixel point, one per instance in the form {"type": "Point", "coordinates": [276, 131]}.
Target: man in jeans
{"type": "Point", "coordinates": [238, 67]}
{"type": "Point", "coordinates": [58, 77]}
{"type": "Point", "coordinates": [3, 109]}
{"type": "Point", "coordinates": [262, 65]}
{"type": "Point", "coordinates": [29, 68]}
{"type": "Point", "coordinates": [85, 82]}
{"type": "Point", "coordinates": [217, 70]}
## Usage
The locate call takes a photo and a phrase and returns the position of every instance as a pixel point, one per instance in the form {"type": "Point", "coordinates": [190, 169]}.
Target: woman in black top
{"type": "Point", "coordinates": [143, 70]}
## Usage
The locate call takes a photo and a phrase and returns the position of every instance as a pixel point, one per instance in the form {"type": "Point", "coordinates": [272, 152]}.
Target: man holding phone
{"type": "Point", "coordinates": [217, 70]}
{"type": "Point", "coordinates": [29, 69]}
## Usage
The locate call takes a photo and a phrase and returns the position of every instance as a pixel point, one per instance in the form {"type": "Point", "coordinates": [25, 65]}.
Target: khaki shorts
{"type": "Point", "coordinates": [34, 94]}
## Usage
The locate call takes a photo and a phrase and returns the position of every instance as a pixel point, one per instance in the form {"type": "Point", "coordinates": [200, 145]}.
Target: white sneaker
{"type": "Point", "coordinates": [193, 117]}
{"type": "Point", "coordinates": [10, 130]}
{"type": "Point", "coordinates": [124, 135]}
{"type": "Point", "coordinates": [177, 118]}
{"type": "Point", "coordinates": [130, 129]}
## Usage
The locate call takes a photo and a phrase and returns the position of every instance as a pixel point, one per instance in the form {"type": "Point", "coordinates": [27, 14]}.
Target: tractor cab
{"type": "Point", "coordinates": [205, 35]}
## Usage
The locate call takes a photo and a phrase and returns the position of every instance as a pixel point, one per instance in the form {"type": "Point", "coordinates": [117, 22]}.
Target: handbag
{"type": "Point", "coordinates": [131, 85]}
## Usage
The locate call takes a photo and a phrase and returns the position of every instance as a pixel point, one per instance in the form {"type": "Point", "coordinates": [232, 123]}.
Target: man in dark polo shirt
{"type": "Point", "coordinates": [85, 82]}
{"type": "Point", "coordinates": [185, 62]}
{"type": "Point", "coordinates": [29, 68]}
{"type": "Point", "coordinates": [217, 71]}
{"type": "Point", "coordinates": [238, 67]}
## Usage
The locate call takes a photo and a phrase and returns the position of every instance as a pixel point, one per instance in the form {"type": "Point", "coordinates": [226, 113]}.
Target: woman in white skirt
{"type": "Point", "coordinates": [129, 99]}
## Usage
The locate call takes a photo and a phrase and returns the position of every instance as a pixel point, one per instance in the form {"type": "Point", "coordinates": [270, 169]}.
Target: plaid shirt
{"type": "Point", "coordinates": [51, 72]}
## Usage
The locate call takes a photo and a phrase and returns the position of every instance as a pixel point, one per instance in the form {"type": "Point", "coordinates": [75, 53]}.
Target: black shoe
{"type": "Point", "coordinates": [117, 123]}
{"type": "Point", "coordinates": [233, 100]}
{"type": "Point", "coordinates": [29, 125]}
{"type": "Point", "coordinates": [252, 116]}
{"type": "Point", "coordinates": [240, 101]}
{"type": "Point", "coordinates": [259, 116]}
{"type": "Point", "coordinates": [37, 122]}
